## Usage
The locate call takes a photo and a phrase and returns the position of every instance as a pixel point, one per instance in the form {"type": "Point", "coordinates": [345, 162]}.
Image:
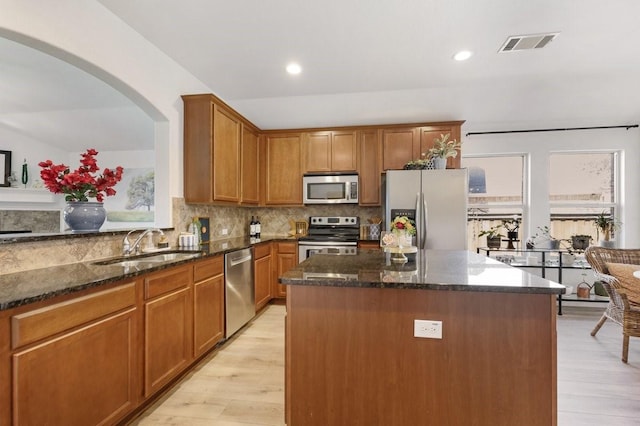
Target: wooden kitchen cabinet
{"type": "Point", "coordinates": [281, 173]}
{"type": "Point", "coordinates": [403, 144]}
{"type": "Point", "coordinates": [262, 274]}
{"type": "Point", "coordinates": [428, 134]}
{"type": "Point", "coordinates": [330, 151]}
{"type": "Point", "coordinates": [398, 146]}
{"type": "Point", "coordinates": [208, 304]}
{"type": "Point", "coordinates": [220, 153]}
{"type": "Point", "coordinates": [369, 245]}
{"type": "Point", "coordinates": [168, 319]}
{"type": "Point", "coordinates": [286, 258]}
{"type": "Point", "coordinates": [249, 166]}
{"type": "Point", "coordinates": [75, 362]}
{"type": "Point", "coordinates": [369, 167]}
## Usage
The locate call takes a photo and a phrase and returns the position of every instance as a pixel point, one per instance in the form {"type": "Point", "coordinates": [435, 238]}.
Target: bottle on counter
{"type": "Point", "coordinates": [252, 227]}
{"type": "Point", "coordinates": [258, 227]}
{"type": "Point", "coordinates": [194, 228]}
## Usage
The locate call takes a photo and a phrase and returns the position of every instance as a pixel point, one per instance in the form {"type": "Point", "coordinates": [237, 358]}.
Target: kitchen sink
{"type": "Point", "coordinates": [148, 260]}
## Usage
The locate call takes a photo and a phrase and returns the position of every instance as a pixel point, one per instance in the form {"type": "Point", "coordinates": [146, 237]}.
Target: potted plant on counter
{"type": "Point", "coordinates": [443, 148]}
{"type": "Point", "coordinates": [80, 185]}
{"type": "Point", "coordinates": [494, 236]}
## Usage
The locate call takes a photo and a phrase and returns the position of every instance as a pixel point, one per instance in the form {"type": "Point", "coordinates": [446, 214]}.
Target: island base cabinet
{"type": "Point", "coordinates": [351, 354]}
{"type": "Point", "coordinates": [81, 378]}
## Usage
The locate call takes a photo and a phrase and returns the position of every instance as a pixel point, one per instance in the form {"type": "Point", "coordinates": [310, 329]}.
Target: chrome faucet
{"type": "Point", "coordinates": [128, 248]}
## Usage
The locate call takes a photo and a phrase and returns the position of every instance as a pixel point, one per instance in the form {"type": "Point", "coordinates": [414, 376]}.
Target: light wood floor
{"type": "Point", "coordinates": [243, 383]}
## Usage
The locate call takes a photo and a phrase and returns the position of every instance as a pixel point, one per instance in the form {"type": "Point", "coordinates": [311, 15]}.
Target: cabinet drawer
{"type": "Point", "coordinates": [208, 268]}
{"type": "Point", "coordinates": [262, 250]}
{"type": "Point", "coordinates": [165, 281]}
{"type": "Point", "coordinates": [287, 248]}
{"type": "Point", "coordinates": [44, 322]}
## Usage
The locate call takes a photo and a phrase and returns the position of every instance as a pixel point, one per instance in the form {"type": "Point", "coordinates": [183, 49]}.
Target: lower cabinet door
{"type": "Point", "coordinates": [168, 338]}
{"type": "Point", "coordinates": [208, 314]}
{"type": "Point", "coordinates": [84, 377]}
{"type": "Point", "coordinates": [262, 281]}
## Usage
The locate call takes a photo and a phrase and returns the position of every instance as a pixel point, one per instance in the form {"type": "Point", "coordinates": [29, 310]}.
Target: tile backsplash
{"type": "Point", "coordinates": [18, 257]}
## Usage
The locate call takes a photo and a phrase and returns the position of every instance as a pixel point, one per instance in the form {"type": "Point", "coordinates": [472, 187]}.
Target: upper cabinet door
{"type": "Point", "coordinates": [330, 151]}
{"type": "Point", "coordinates": [226, 156]}
{"type": "Point", "coordinates": [317, 152]}
{"type": "Point", "coordinates": [344, 151]}
{"type": "Point", "coordinates": [428, 135]}
{"type": "Point", "coordinates": [369, 167]}
{"type": "Point", "coordinates": [249, 194]}
{"type": "Point", "coordinates": [400, 145]}
{"type": "Point", "coordinates": [282, 173]}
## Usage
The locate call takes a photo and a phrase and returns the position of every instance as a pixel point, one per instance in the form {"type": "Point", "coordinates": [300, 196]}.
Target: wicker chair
{"type": "Point", "coordinates": [619, 309]}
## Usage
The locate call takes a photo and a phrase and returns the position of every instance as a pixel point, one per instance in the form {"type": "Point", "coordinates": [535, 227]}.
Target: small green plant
{"type": "Point", "coordinates": [544, 232]}
{"type": "Point", "coordinates": [511, 225]}
{"type": "Point", "coordinates": [444, 148]}
{"type": "Point", "coordinates": [493, 232]}
{"type": "Point", "coordinates": [606, 223]}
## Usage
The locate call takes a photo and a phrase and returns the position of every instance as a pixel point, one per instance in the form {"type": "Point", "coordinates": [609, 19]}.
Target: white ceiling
{"type": "Point", "coordinates": [364, 62]}
{"type": "Point", "coordinates": [381, 61]}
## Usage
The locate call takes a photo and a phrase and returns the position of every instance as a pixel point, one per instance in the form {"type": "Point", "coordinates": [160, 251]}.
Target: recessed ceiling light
{"type": "Point", "coordinates": [463, 55]}
{"type": "Point", "coordinates": [294, 68]}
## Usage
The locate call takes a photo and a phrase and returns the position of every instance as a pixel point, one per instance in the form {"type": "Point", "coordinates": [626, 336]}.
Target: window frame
{"type": "Point", "coordinates": [617, 179]}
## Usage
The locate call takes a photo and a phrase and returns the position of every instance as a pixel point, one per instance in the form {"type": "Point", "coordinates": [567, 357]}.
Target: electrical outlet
{"type": "Point", "coordinates": [427, 329]}
{"type": "Point", "coordinates": [224, 231]}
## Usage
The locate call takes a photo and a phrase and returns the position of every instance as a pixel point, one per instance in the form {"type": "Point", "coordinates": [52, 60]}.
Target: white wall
{"type": "Point", "coordinates": [538, 145]}
{"type": "Point", "coordinates": [90, 37]}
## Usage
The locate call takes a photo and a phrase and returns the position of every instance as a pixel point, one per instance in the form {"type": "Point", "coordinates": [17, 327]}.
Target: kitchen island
{"type": "Point", "coordinates": [352, 358]}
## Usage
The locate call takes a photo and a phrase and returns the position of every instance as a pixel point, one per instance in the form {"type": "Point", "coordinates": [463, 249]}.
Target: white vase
{"type": "Point", "coordinates": [439, 163]}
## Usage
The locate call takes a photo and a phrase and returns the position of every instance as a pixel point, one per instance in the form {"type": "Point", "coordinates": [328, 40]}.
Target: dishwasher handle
{"type": "Point", "coordinates": [234, 262]}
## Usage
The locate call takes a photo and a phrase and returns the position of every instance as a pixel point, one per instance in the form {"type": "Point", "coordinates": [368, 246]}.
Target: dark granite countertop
{"type": "Point", "coordinates": [21, 288]}
{"type": "Point", "coordinates": [429, 269]}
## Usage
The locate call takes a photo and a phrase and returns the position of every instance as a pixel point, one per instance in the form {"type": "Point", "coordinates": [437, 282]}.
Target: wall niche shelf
{"type": "Point", "coordinates": [29, 195]}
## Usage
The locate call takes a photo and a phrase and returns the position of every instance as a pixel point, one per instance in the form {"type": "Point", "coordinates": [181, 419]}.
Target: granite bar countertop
{"type": "Point", "coordinates": [21, 288]}
{"type": "Point", "coordinates": [456, 270]}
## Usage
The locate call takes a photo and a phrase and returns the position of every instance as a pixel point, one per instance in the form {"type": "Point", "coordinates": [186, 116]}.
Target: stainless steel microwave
{"type": "Point", "coordinates": [330, 189]}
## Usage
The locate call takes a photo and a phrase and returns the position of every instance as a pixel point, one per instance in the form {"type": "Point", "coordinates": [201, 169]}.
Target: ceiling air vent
{"type": "Point", "coordinates": [525, 42]}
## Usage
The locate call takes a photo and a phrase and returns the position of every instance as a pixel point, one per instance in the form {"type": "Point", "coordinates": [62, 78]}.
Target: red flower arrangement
{"type": "Point", "coordinates": [83, 183]}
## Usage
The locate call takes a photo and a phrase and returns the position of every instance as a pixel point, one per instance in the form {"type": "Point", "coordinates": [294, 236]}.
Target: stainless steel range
{"type": "Point", "coordinates": [337, 235]}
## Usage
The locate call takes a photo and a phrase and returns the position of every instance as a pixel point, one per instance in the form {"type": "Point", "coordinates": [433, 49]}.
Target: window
{"type": "Point", "coordinates": [496, 192]}
{"type": "Point", "coordinates": [582, 185]}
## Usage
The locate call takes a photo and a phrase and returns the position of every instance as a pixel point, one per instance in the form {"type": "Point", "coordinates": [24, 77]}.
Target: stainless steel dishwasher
{"type": "Point", "coordinates": [239, 292]}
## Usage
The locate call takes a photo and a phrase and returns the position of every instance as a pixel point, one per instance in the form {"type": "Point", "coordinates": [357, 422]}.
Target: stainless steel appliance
{"type": "Point", "coordinates": [239, 293]}
{"type": "Point", "coordinates": [330, 189]}
{"type": "Point", "coordinates": [435, 199]}
{"type": "Point", "coordinates": [336, 235]}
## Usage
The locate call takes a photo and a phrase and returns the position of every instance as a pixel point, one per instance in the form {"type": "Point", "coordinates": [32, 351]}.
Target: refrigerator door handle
{"type": "Point", "coordinates": [425, 221]}
{"type": "Point", "coordinates": [418, 220]}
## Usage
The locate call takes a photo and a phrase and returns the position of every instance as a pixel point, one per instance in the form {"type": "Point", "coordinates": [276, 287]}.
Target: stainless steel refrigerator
{"type": "Point", "coordinates": [435, 199]}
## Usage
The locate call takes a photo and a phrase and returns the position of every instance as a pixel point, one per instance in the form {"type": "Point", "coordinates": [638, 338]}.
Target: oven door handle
{"type": "Point", "coordinates": [327, 243]}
